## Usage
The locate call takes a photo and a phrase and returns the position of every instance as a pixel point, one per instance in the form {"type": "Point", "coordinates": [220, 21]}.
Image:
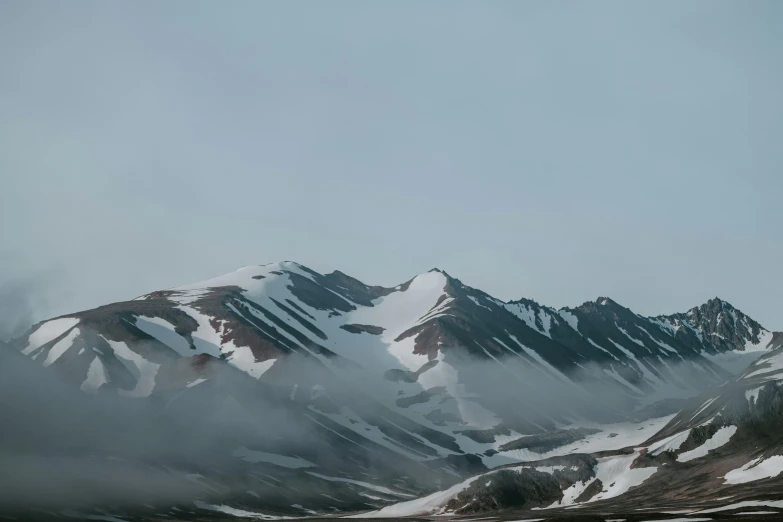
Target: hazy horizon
{"type": "Point", "coordinates": [555, 151]}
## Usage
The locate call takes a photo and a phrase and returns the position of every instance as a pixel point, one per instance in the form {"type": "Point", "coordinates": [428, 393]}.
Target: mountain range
{"type": "Point", "coordinates": [276, 391]}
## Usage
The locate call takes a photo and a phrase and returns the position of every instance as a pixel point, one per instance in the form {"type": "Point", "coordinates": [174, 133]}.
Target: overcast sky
{"type": "Point", "coordinates": [548, 149]}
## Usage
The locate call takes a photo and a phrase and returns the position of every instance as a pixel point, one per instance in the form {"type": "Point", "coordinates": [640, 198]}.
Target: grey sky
{"type": "Point", "coordinates": [552, 150]}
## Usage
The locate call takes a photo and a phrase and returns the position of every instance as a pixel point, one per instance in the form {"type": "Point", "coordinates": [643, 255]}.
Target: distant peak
{"type": "Point", "coordinates": [603, 305]}
{"type": "Point", "coordinates": [608, 301]}
{"type": "Point", "coordinates": [715, 303]}
{"type": "Point", "coordinates": [721, 302]}
{"type": "Point", "coordinates": [713, 310]}
{"type": "Point", "coordinates": [526, 302]}
{"type": "Point", "coordinates": [439, 271]}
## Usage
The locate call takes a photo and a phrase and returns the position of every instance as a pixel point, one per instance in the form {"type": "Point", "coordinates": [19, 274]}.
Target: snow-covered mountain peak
{"type": "Point", "coordinates": [722, 325]}
{"type": "Point", "coordinates": [418, 373]}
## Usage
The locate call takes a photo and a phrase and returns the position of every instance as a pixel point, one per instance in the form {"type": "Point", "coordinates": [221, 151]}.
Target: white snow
{"type": "Point", "coordinates": [398, 311]}
{"type": "Point", "coordinates": [464, 405]}
{"type": "Point", "coordinates": [662, 344]}
{"type": "Point", "coordinates": [241, 513]}
{"type": "Point", "coordinates": [144, 370]}
{"type": "Point", "coordinates": [664, 325]}
{"type": "Point", "coordinates": [61, 346]}
{"type": "Point", "coordinates": [623, 349]}
{"type": "Point", "coordinates": [571, 319]}
{"type": "Point", "coordinates": [672, 443]}
{"type": "Point", "coordinates": [602, 348]}
{"type": "Point", "coordinates": [210, 341]}
{"type": "Point", "coordinates": [617, 477]}
{"type": "Point", "coordinates": [720, 438]}
{"type": "Point", "coordinates": [743, 504]}
{"type": "Point", "coordinates": [243, 277]}
{"type": "Point", "coordinates": [753, 395]}
{"type": "Point", "coordinates": [299, 506]}
{"type": "Point", "coordinates": [96, 376]}
{"type": "Point", "coordinates": [626, 434]}
{"type": "Point", "coordinates": [571, 493]}
{"type": "Point", "coordinates": [528, 316]}
{"type": "Point", "coordinates": [546, 322]}
{"type": "Point", "coordinates": [765, 337]}
{"type": "Point", "coordinates": [242, 357]}
{"type": "Point", "coordinates": [373, 487]}
{"type": "Point", "coordinates": [430, 504]}
{"type": "Point", "coordinates": [635, 340]}
{"type": "Point", "coordinates": [284, 461]}
{"type": "Point", "coordinates": [757, 469]}
{"type": "Point", "coordinates": [703, 407]}
{"type": "Point", "coordinates": [479, 303]}
{"type": "Point", "coordinates": [767, 365]}
{"type": "Point", "coordinates": [47, 332]}
{"type": "Point", "coordinates": [163, 331]}
{"type": "Point", "coordinates": [205, 338]}
{"type": "Point", "coordinates": [547, 469]}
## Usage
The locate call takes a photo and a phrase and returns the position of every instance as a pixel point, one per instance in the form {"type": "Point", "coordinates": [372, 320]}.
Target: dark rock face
{"type": "Point", "coordinates": [594, 488]}
{"type": "Point", "coordinates": [525, 488]}
{"type": "Point", "coordinates": [698, 436]}
{"type": "Point", "coordinates": [360, 328]}
{"type": "Point", "coordinates": [723, 326]}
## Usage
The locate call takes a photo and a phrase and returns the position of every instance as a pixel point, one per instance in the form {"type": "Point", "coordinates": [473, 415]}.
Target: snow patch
{"type": "Point", "coordinates": [672, 443]}
{"type": "Point", "coordinates": [756, 470]}
{"type": "Point", "coordinates": [602, 348]}
{"type": "Point", "coordinates": [228, 510]}
{"type": "Point", "coordinates": [767, 365]}
{"type": "Point", "coordinates": [163, 331]}
{"type": "Point", "coordinates": [47, 332]}
{"type": "Point", "coordinates": [62, 346]}
{"type": "Point", "coordinates": [616, 475]}
{"type": "Point", "coordinates": [431, 504]}
{"type": "Point", "coordinates": [96, 376]}
{"type": "Point", "coordinates": [139, 366]}
{"type": "Point", "coordinates": [743, 504]}
{"type": "Point", "coordinates": [571, 319]}
{"type": "Point", "coordinates": [720, 438]}
{"type": "Point", "coordinates": [398, 311]}
{"type": "Point", "coordinates": [753, 395]}
{"type": "Point", "coordinates": [477, 302]}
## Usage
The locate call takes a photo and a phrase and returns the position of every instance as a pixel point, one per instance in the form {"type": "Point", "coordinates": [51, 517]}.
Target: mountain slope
{"type": "Point", "coordinates": [259, 315]}
{"type": "Point", "coordinates": [429, 379]}
{"type": "Point", "coordinates": [722, 453]}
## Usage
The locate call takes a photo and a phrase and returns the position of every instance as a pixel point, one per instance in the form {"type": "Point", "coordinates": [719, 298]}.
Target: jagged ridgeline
{"type": "Point", "coordinates": [298, 392]}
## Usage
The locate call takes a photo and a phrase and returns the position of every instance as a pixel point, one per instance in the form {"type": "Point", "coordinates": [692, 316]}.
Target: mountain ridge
{"type": "Point", "coordinates": [431, 375]}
